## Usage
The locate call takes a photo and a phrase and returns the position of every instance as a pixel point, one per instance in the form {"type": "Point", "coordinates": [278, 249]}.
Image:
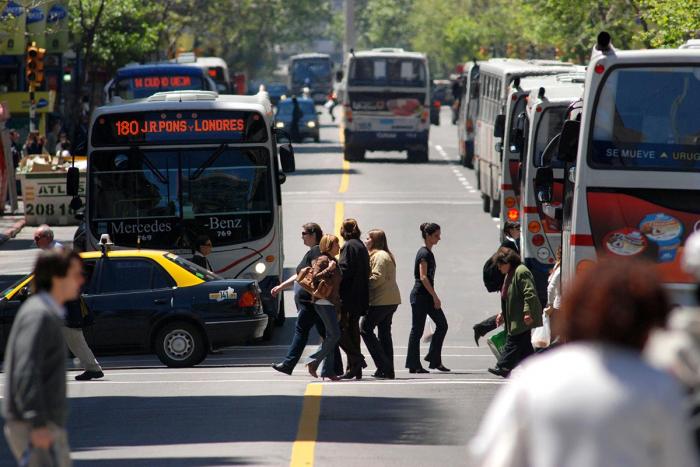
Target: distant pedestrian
{"type": "Point", "coordinates": [202, 249]}
{"type": "Point", "coordinates": [384, 299]}
{"type": "Point", "coordinates": [52, 137]}
{"type": "Point", "coordinates": [325, 268]}
{"type": "Point", "coordinates": [551, 311]}
{"type": "Point", "coordinates": [521, 311]}
{"type": "Point", "coordinates": [63, 147]}
{"type": "Point", "coordinates": [297, 114]}
{"type": "Point", "coordinates": [33, 145]}
{"type": "Point", "coordinates": [15, 148]}
{"type": "Point", "coordinates": [35, 406]}
{"type": "Point", "coordinates": [425, 302]}
{"type": "Point", "coordinates": [594, 401]}
{"type": "Point", "coordinates": [511, 240]}
{"type": "Point", "coordinates": [77, 316]}
{"type": "Point", "coordinates": [307, 318]}
{"type": "Point", "coordinates": [354, 293]}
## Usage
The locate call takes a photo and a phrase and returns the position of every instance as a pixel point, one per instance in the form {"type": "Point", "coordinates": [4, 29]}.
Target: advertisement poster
{"type": "Point", "coordinates": [627, 225]}
{"type": "Point", "coordinates": [12, 24]}
{"type": "Point", "coordinates": [57, 27]}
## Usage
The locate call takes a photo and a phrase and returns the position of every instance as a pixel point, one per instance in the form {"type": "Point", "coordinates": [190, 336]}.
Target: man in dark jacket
{"type": "Point", "coordinates": [354, 294]}
{"type": "Point", "coordinates": [35, 406]}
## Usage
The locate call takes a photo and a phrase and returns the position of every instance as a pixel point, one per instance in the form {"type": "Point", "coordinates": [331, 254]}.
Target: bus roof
{"type": "Point", "coordinates": [309, 55]}
{"type": "Point", "coordinates": [199, 99]}
{"type": "Point", "coordinates": [131, 71]}
{"type": "Point", "coordinates": [516, 66]}
{"type": "Point", "coordinates": [387, 52]}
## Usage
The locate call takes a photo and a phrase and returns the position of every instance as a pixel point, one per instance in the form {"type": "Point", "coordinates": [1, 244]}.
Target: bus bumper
{"type": "Point", "coordinates": [387, 140]}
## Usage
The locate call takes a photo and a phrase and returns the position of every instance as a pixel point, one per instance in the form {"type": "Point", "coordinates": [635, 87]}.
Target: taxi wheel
{"type": "Point", "coordinates": [180, 344]}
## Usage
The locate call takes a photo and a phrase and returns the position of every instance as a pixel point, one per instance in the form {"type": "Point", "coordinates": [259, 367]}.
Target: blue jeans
{"type": "Point", "coordinates": [326, 351]}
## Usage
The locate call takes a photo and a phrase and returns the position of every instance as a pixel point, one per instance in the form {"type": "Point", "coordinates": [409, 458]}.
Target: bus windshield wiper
{"type": "Point", "coordinates": [214, 155]}
{"type": "Point", "coordinates": [147, 162]}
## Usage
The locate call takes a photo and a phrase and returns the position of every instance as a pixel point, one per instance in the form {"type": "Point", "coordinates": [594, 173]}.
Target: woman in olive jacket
{"type": "Point", "coordinates": [521, 310]}
{"type": "Point", "coordinates": [384, 299]}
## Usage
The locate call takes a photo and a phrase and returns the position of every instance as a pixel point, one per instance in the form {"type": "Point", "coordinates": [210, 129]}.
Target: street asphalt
{"type": "Point", "coordinates": [235, 410]}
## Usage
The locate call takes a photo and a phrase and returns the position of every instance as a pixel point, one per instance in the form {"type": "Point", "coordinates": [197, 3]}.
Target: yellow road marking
{"type": "Point", "coordinates": [345, 178]}
{"type": "Point", "coordinates": [339, 217]}
{"type": "Point", "coordinates": [305, 444]}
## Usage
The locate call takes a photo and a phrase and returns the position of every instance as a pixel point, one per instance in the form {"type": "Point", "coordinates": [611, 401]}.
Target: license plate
{"type": "Point", "coordinates": [386, 121]}
{"type": "Point", "coordinates": [386, 135]}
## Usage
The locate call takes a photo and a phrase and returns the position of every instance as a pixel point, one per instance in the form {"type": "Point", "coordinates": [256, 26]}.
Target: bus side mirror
{"type": "Point", "coordinates": [287, 158]}
{"type": "Point", "coordinates": [516, 140]}
{"type": "Point", "coordinates": [544, 184]}
{"type": "Point", "coordinates": [339, 75]}
{"type": "Point", "coordinates": [499, 126]}
{"type": "Point", "coordinates": [568, 141]}
{"type": "Point", "coordinates": [72, 181]}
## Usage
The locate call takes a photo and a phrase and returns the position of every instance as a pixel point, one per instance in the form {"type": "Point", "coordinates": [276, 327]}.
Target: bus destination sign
{"type": "Point", "coordinates": [170, 127]}
{"type": "Point", "coordinates": [157, 82]}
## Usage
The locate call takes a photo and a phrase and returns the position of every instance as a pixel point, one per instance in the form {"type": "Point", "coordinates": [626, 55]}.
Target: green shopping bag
{"type": "Point", "coordinates": [497, 342]}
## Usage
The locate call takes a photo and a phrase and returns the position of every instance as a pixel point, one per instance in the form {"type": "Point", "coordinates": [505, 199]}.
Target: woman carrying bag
{"type": "Point", "coordinates": [323, 281]}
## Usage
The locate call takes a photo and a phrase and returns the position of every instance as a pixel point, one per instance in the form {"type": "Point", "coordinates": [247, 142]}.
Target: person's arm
{"type": "Point", "coordinates": [347, 261]}
{"type": "Point", "coordinates": [283, 286]}
{"type": "Point", "coordinates": [423, 271]}
{"type": "Point", "coordinates": [377, 274]}
{"type": "Point", "coordinates": [326, 271]}
{"type": "Point", "coordinates": [531, 304]}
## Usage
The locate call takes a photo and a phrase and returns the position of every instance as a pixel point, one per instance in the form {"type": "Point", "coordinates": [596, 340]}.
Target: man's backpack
{"type": "Point", "coordinates": [493, 279]}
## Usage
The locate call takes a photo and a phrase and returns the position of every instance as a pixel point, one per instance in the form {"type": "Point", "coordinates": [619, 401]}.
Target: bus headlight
{"type": "Point", "coordinates": [311, 124]}
{"type": "Point", "coordinates": [260, 268]}
{"type": "Point", "coordinates": [279, 125]}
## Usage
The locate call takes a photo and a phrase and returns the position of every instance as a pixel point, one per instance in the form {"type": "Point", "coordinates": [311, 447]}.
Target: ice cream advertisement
{"type": "Point", "coordinates": [654, 227]}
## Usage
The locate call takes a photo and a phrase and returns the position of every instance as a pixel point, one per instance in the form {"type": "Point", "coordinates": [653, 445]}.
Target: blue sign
{"type": "Point", "coordinates": [42, 103]}
{"type": "Point", "coordinates": [645, 156]}
{"type": "Point", "coordinates": [13, 9]}
{"type": "Point", "coordinates": [35, 15]}
{"type": "Point", "coordinates": [57, 13]}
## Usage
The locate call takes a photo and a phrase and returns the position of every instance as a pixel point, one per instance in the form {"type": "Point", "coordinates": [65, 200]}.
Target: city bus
{"type": "Point", "coordinates": [385, 97]}
{"type": "Point", "coordinates": [496, 77]}
{"type": "Point", "coordinates": [140, 81]}
{"type": "Point", "coordinates": [468, 109]}
{"type": "Point", "coordinates": [632, 162]}
{"type": "Point", "coordinates": [313, 71]}
{"type": "Point", "coordinates": [178, 165]}
{"type": "Point", "coordinates": [547, 109]}
{"type": "Point", "coordinates": [215, 67]}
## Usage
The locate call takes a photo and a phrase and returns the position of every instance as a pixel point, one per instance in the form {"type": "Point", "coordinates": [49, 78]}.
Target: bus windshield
{"type": "Point", "coordinates": [316, 70]}
{"type": "Point", "coordinates": [376, 71]}
{"type": "Point", "coordinates": [647, 119]}
{"type": "Point", "coordinates": [163, 195]}
{"type": "Point", "coordinates": [286, 107]}
{"type": "Point", "coordinates": [548, 127]}
{"type": "Point", "coordinates": [140, 87]}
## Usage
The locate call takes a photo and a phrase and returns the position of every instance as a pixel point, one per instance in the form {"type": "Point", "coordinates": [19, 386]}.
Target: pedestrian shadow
{"type": "Point", "coordinates": [323, 171]}
{"type": "Point", "coordinates": [317, 148]}
{"type": "Point", "coordinates": [391, 160]}
{"type": "Point", "coordinates": [98, 423]}
{"type": "Point", "coordinates": [167, 462]}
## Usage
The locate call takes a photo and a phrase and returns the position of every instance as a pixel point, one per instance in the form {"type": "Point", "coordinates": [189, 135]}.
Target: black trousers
{"type": "Point", "coordinates": [486, 326]}
{"type": "Point", "coordinates": [421, 308]}
{"type": "Point", "coordinates": [350, 336]}
{"type": "Point", "coordinates": [381, 349]}
{"type": "Point", "coordinates": [517, 348]}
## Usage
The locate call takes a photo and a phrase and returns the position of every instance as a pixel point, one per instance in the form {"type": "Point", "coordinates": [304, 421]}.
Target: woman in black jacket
{"type": "Point", "coordinates": [354, 294]}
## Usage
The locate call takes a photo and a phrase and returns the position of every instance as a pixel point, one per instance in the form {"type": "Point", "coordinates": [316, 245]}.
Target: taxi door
{"type": "Point", "coordinates": [130, 294]}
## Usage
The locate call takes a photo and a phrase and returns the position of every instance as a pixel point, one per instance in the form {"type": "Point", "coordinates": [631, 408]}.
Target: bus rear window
{"type": "Point", "coordinates": [387, 72]}
{"type": "Point", "coordinates": [647, 119]}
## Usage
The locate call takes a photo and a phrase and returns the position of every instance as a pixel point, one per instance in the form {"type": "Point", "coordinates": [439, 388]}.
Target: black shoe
{"type": "Point", "coordinates": [353, 373]}
{"type": "Point", "coordinates": [418, 370]}
{"type": "Point", "coordinates": [439, 368]}
{"type": "Point", "coordinates": [477, 335]}
{"type": "Point", "coordinates": [88, 375]}
{"type": "Point", "coordinates": [498, 371]}
{"type": "Point", "coordinates": [379, 374]}
{"type": "Point", "coordinates": [282, 368]}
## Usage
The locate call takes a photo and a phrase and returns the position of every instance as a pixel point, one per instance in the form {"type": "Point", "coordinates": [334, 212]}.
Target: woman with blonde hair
{"type": "Point", "coordinates": [384, 299]}
{"type": "Point", "coordinates": [325, 268]}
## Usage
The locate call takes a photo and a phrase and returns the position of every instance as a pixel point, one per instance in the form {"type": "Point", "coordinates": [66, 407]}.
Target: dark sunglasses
{"type": "Point", "coordinates": [304, 232]}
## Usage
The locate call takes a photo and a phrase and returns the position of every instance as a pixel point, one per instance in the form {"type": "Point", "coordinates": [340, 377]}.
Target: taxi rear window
{"type": "Point", "coordinates": [193, 268]}
{"type": "Point", "coordinates": [11, 288]}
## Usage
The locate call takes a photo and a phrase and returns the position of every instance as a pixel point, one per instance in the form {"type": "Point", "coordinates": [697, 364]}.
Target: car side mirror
{"type": "Point", "coordinates": [544, 184]}
{"type": "Point", "coordinates": [568, 141]}
{"type": "Point", "coordinates": [339, 75]}
{"type": "Point", "coordinates": [72, 181]}
{"type": "Point", "coordinates": [24, 293]}
{"type": "Point", "coordinates": [287, 158]}
{"type": "Point", "coordinates": [499, 126]}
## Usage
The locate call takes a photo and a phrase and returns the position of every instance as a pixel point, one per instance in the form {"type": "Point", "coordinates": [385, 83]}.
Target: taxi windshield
{"type": "Point", "coordinates": [193, 268]}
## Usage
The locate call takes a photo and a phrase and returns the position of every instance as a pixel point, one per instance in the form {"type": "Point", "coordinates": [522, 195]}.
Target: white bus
{"type": "Point", "coordinates": [547, 109]}
{"type": "Point", "coordinates": [468, 109]}
{"type": "Point", "coordinates": [386, 103]}
{"type": "Point", "coordinates": [633, 166]}
{"type": "Point", "coordinates": [215, 67]}
{"type": "Point", "coordinates": [177, 165]}
{"type": "Point", "coordinates": [496, 77]}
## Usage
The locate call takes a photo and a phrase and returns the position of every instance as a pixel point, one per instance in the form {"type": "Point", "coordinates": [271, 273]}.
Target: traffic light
{"type": "Point", "coordinates": [35, 64]}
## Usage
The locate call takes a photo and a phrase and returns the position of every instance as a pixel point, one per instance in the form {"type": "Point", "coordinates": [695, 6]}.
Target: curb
{"type": "Point", "coordinates": [12, 231]}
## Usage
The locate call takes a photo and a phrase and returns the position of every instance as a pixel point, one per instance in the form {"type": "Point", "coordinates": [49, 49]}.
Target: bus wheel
{"type": "Point", "coordinates": [420, 155]}
{"type": "Point", "coordinates": [486, 202]}
{"type": "Point", "coordinates": [352, 154]}
{"type": "Point", "coordinates": [495, 208]}
{"type": "Point", "coordinates": [279, 321]}
{"type": "Point", "coordinates": [180, 344]}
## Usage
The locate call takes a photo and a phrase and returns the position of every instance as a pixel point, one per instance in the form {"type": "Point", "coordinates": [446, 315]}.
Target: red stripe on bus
{"type": "Point", "coordinates": [240, 260]}
{"type": "Point", "coordinates": [530, 209]}
{"type": "Point", "coordinates": [506, 187]}
{"type": "Point", "coordinates": [582, 240]}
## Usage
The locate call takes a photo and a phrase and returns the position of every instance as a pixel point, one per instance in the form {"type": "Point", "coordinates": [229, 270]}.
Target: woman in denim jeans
{"type": "Point", "coordinates": [325, 267]}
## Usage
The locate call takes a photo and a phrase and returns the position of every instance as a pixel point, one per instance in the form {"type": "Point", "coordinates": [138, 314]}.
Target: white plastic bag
{"type": "Point", "coordinates": [542, 335]}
